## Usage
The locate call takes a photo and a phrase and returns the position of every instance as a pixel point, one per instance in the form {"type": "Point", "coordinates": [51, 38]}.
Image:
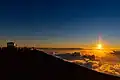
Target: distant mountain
{"type": "Point", "coordinates": [62, 48]}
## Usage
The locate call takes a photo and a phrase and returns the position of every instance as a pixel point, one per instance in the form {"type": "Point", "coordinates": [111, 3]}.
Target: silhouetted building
{"type": "Point", "coordinates": [10, 44]}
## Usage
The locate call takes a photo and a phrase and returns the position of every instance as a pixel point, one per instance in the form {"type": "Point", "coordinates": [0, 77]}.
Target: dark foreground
{"type": "Point", "coordinates": [26, 64]}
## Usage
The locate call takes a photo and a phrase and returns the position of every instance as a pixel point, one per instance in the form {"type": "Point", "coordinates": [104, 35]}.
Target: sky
{"type": "Point", "coordinates": [60, 23]}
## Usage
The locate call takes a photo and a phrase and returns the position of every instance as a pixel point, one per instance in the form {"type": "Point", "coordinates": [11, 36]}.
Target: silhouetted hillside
{"type": "Point", "coordinates": [24, 63]}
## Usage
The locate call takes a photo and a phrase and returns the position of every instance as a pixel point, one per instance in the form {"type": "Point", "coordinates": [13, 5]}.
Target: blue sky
{"type": "Point", "coordinates": [55, 22]}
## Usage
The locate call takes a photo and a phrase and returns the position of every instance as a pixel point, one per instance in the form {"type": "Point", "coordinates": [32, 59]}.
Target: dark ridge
{"type": "Point", "coordinates": [27, 64]}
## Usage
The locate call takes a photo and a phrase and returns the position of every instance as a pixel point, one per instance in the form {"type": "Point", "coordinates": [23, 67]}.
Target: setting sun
{"type": "Point", "coordinates": [99, 46]}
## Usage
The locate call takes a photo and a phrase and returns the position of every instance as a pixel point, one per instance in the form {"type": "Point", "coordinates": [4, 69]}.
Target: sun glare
{"type": "Point", "coordinates": [99, 46]}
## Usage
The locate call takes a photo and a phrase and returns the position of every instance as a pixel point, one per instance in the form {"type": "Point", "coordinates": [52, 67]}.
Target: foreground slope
{"type": "Point", "coordinates": [37, 65]}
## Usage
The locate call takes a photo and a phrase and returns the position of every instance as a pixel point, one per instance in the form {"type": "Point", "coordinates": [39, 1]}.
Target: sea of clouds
{"type": "Point", "coordinates": [112, 69]}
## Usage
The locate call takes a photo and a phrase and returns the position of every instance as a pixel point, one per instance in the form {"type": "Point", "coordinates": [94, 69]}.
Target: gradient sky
{"type": "Point", "coordinates": [60, 23]}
